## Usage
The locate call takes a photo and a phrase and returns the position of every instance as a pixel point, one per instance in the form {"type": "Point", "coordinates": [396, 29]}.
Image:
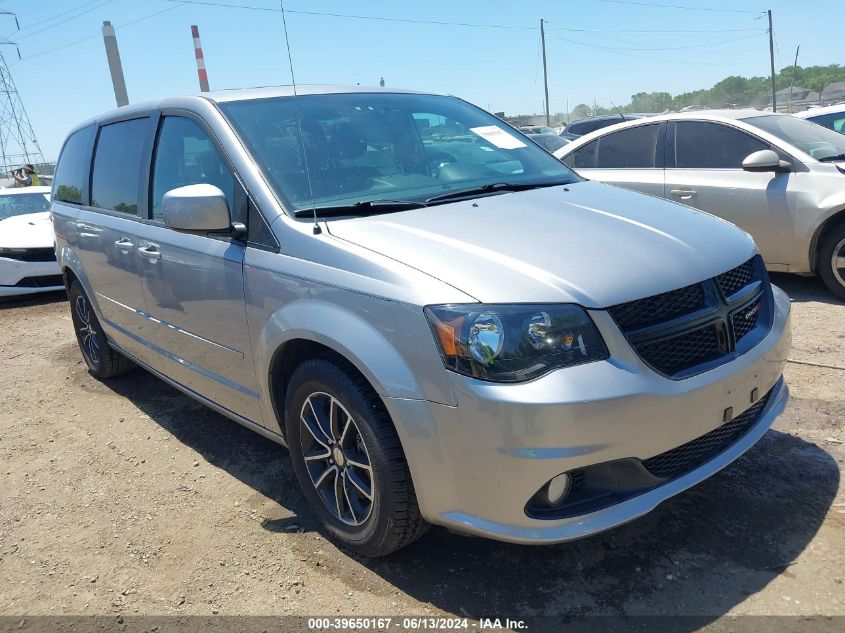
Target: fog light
{"type": "Point", "coordinates": [557, 489]}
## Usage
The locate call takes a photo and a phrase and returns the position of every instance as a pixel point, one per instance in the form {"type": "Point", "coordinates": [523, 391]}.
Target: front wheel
{"type": "Point", "coordinates": [103, 361]}
{"type": "Point", "coordinates": [348, 460]}
{"type": "Point", "coordinates": [832, 260]}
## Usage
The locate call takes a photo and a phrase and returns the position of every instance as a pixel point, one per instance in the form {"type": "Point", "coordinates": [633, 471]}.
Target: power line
{"type": "Point", "coordinates": [683, 7]}
{"type": "Point", "coordinates": [359, 17]}
{"type": "Point", "coordinates": [97, 35]}
{"type": "Point", "coordinates": [445, 23]}
{"type": "Point", "coordinates": [686, 47]}
{"type": "Point", "coordinates": [624, 53]}
{"type": "Point", "coordinates": [63, 22]}
{"type": "Point", "coordinates": [55, 16]}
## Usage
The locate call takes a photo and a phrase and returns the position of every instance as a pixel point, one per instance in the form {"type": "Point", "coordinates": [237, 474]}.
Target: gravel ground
{"type": "Point", "coordinates": [129, 498]}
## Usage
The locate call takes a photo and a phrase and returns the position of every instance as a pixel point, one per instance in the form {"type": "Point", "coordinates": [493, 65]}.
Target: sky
{"type": "Point", "coordinates": [487, 52]}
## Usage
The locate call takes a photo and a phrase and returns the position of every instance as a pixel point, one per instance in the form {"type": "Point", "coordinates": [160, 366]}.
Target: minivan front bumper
{"type": "Point", "coordinates": [476, 465]}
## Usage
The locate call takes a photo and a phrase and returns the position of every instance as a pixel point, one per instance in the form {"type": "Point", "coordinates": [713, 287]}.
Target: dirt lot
{"type": "Point", "coordinates": [130, 498]}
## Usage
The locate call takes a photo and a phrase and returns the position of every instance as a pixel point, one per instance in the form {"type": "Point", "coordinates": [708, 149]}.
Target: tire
{"type": "Point", "coordinates": [335, 479]}
{"type": "Point", "coordinates": [833, 246]}
{"type": "Point", "coordinates": [103, 361]}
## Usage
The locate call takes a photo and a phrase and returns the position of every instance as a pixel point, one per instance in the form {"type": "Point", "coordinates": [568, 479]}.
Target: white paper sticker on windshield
{"type": "Point", "coordinates": [497, 136]}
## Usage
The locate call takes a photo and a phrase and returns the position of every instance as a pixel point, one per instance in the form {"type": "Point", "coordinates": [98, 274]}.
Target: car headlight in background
{"type": "Point", "coordinates": [513, 343]}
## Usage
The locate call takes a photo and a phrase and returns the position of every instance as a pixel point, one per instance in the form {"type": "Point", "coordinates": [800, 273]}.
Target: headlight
{"type": "Point", "coordinates": [513, 343]}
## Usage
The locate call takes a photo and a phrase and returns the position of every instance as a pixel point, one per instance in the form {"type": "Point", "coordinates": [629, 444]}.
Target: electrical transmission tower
{"type": "Point", "coordinates": [18, 144]}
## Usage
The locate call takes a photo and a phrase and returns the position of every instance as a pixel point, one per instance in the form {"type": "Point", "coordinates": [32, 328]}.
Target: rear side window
{"type": "Point", "coordinates": [583, 157]}
{"type": "Point", "coordinates": [631, 148]}
{"type": "Point", "coordinates": [700, 145]}
{"type": "Point", "coordinates": [68, 183]}
{"type": "Point", "coordinates": [118, 162]}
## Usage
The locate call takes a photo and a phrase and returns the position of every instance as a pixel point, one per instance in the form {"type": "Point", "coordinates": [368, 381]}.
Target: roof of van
{"type": "Point", "coordinates": [237, 94]}
{"type": "Point", "coordinates": [240, 94]}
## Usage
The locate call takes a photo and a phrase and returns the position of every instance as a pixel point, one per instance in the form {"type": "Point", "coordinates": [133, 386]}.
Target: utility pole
{"type": "Point", "coordinates": [202, 73]}
{"type": "Point", "coordinates": [792, 80]}
{"type": "Point", "coordinates": [115, 68]}
{"type": "Point", "coordinates": [545, 71]}
{"type": "Point", "coordinates": [772, 59]}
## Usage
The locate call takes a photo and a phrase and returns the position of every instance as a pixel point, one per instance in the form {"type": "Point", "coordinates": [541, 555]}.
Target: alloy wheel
{"type": "Point", "coordinates": [87, 333]}
{"type": "Point", "coordinates": [336, 459]}
{"type": "Point", "coordinates": [837, 262]}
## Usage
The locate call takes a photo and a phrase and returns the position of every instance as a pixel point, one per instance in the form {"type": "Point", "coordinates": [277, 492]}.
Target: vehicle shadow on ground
{"type": "Point", "coordinates": [700, 553]}
{"type": "Point", "coordinates": [26, 301]}
{"type": "Point", "coordinates": [801, 289]}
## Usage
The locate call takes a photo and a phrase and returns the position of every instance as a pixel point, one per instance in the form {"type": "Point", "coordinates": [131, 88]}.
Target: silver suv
{"type": "Point", "coordinates": [442, 322]}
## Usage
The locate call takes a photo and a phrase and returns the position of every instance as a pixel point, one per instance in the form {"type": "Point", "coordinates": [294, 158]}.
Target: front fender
{"type": "Point", "coordinates": [398, 362]}
{"type": "Point", "coordinates": [835, 205]}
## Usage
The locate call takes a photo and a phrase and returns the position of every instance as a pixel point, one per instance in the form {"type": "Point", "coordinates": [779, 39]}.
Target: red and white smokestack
{"type": "Point", "coordinates": [203, 75]}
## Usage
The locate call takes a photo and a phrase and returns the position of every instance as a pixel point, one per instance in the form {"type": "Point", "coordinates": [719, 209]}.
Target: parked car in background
{"type": "Point", "coordinates": [27, 251]}
{"type": "Point", "coordinates": [579, 128]}
{"type": "Point", "coordinates": [536, 129]}
{"type": "Point", "coordinates": [462, 333]}
{"type": "Point", "coordinates": [779, 177]}
{"type": "Point", "coordinates": [831, 117]}
{"type": "Point", "coordinates": [549, 142]}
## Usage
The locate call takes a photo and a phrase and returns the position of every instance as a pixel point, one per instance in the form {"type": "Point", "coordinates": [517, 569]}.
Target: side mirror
{"type": "Point", "coordinates": [765, 160]}
{"type": "Point", "coordinates": [199, 208]}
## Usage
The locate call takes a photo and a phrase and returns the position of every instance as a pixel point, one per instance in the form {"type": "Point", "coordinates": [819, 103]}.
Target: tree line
{"type": "Point", "coordinates": [731, 91]}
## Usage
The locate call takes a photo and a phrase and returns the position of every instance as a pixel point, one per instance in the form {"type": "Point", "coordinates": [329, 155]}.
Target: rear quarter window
{"type": "Point", "coordinates": [72, 170]}
{"type": "Point", "coordinates": [583, 158]}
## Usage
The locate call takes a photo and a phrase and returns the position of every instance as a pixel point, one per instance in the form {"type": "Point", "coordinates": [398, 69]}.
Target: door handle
{"type": "Point", "coordinates": [150, 252]}
{"type": "Point", "coordinates": [683, 194]}
{"type": "Point", "coordinates": [124, 245]}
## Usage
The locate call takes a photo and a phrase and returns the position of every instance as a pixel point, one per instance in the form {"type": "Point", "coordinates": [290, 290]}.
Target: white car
{"type": "Point", "coordinates": [777, 177]}
{"type": "Point", "coordinates": [832, 117]}
{"type": "Point", "coordinates": [27, 245]}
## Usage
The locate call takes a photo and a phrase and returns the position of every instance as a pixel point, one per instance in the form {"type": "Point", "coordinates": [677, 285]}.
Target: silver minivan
{"type": "Point", "coordinates": [444, 324]}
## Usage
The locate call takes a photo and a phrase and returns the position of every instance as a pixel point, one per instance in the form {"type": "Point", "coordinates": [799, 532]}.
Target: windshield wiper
{"type": "Point", "coordinates": [830, 159]}
{"type": "Point", "coordinates": [362, 207]}
{"type": "Point", "coordinates": [494, 187]}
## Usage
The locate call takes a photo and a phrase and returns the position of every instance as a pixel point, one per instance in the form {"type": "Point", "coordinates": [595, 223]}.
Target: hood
{"type": "Point", "coordinates": [585, 243]}
{"type": "Point", "coordinates": [32, 230]}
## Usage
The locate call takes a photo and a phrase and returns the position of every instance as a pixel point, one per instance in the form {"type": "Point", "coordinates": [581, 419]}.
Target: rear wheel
{"type": "Point", "coordinates": [348, 460]}
{"type": "Point", "coordinates": [103, 361]}
{"type": "Point", "coordinates": [832, 260]}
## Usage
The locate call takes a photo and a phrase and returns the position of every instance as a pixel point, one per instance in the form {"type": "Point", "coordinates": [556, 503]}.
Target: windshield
{"type": "Point", "coordinates": [23, 203]}
{"type": "Point", "coordinates": [549, 142]}
{"type": "Point", "coordinates": [819, 142]}
{"type": "Point", "coordinates": [363, 147]}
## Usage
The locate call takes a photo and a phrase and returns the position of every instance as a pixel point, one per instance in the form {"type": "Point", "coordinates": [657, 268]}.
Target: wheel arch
{"type": "Point", "coordinates": [834, 219]}
{"type": "Point", "coordinates": [308, 329]}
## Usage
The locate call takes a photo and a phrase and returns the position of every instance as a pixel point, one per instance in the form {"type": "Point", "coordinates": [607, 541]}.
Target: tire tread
{"type": "Point", "coordinates": [406, 524]}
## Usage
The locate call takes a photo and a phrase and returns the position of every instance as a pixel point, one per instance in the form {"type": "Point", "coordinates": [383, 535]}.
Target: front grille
{"type": "Point", "coordinates": [690, 348]}
{"type": "Point", "coordinates": [745, 319]}
{"type": "Point", "coordinates": [736, 278]}
{"type": "Point", "coordinates": [686, 331]}
{"type": "Point", "coordinates": [42, 281]}
{"type": "Point", "coordinates": [47, 254]}
{"type": "Point", "coordinates": [662, 307]}
{"type": "Point", "coordinates": [687, 457]}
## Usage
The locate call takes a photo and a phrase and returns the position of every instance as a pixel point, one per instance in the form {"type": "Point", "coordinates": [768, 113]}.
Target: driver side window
{"type": "Point", "coordinates": [701, 145]}
{"type": "Point", "coordinates": [185, 155]}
